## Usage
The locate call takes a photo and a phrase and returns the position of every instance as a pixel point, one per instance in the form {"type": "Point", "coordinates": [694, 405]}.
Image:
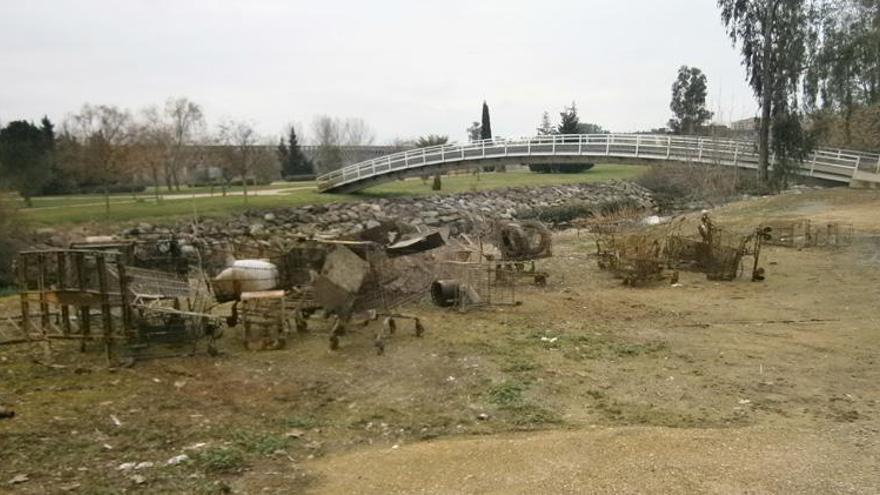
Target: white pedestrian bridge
{"type": "Point", "coordinates": [834, 165]}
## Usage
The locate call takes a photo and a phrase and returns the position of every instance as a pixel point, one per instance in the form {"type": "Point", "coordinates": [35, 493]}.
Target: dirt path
{"type": "Point", "coordinates": [611, 460]}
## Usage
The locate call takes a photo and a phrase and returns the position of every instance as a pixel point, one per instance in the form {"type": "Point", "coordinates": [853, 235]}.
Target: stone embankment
{"type": "Point", "coordinates": [460, 213]}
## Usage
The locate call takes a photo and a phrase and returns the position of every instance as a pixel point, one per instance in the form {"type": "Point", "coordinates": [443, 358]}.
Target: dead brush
{"type": "Point", "coordinates": [611, 222]}
{"type": "Point", "coordinates": [674, 184]}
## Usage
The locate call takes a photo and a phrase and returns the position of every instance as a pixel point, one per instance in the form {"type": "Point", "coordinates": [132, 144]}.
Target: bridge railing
{"type": "Point", "coordinates": [823, 163]}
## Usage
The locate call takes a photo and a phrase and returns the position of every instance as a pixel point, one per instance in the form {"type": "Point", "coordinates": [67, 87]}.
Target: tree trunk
{"type": "Point", "coordinates": [764, 137]}
{"type": "Point", "coordinates": [106, 198]}
{"type": "Point", "coordinates": [156, 185]}
{"type": "Point", "coordinates": [766, 100]}
{"type": "Point", "coordinates": [168, 176]}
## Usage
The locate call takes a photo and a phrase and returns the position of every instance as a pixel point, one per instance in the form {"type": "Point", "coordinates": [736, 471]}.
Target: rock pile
{"type": "Point", "coordinates": [460, 213]}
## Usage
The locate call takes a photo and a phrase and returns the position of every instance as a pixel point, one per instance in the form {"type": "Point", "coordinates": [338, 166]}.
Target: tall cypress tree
{"type": "Point", "coordinates": [59, 181]}
{"type": "Point", "coordinates": [294, 162]}
{"type": "Point", "coordinates": [486, 128]}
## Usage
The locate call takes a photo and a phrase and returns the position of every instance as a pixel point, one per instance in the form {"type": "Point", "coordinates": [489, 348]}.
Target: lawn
{"type": "Point", "coordinates": [125, 208]}
{"type": "Point", "coordinates": [467, 182]}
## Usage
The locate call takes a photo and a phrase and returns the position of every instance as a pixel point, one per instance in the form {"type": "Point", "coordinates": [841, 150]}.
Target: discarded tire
{"type": "Point", "coordinates": [444, 293]}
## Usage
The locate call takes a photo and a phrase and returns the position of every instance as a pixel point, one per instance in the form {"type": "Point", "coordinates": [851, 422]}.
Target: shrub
{"type": "Point", "coordinates": [675, 185]}
{"type": "Point", "coordinates": [562, 214]}
{"type": "Point", "coordinates": [560, 168]}
{"type": "Point", "coordinates": [299, 178]}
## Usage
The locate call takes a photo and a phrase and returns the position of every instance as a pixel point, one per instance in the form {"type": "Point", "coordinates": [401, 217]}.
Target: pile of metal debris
{"type": "Point", "coordinates": [132, 296]}
{"type": "Point", "coordinates": [480, 275]}
{"type": "Point", "coordinates": [111, 292]}
{"type": "Point", "coordinates": [804, 233]}
{"type": "Point", "coordinates": [641, 258]}
{"type": "Point", "coordinates": [360, 279]}
{"type": "Point", "coordinates": [637, 259]}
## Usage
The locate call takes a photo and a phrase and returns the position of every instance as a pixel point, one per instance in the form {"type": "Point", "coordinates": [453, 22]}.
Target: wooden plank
{"type": "Point", "coordinates": [262, 294]}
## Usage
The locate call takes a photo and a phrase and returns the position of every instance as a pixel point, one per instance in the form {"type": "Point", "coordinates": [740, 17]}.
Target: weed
{"type": "Point", "coordinates": [519, 366]}
{"type": "Point", "coordinates": [528, 414]}
{"type": "Point", "coordinates": [258, 442]}
{"type": "Point", "coordinates": [304, 422]}
{"type": "Point", "coordinates": [630, 350]}
{"type": "Point", "coordinates": [221, 459]}
{"type": "Point", "coordinates": [596, 394]}
{"type": "Point", "coordinates": [206, 487]}
{"type": "Point", "coordinates": [507, 393]}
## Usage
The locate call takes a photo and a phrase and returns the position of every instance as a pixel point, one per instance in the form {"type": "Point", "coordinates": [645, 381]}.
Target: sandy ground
{"type": "Point", "coordinates": [610, 460]}
{"type": "Point", "coordinates": [586, 387]}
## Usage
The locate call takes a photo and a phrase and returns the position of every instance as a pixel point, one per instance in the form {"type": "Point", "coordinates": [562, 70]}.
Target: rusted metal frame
{"type": "Point", "coordinates": [106, 314]}
{"type": "Point", "coordinates": [125, 296]}
{"type": "Point", "coordinates": [85, 311]}
{"type": "Point", "coordinates": [25, 302]}
{"type": "Point", "coordinates": [30, 340]}
{"type": "Point", "coordinates": [62, 284]}
{"type": "Point", "coordinates": [44, 303]}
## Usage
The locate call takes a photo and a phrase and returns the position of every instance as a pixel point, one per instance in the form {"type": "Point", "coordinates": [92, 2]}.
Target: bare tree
{"type": "Point", "coordinates": [151, 145]}
{"type": "Point", "coordinates": [103, 133]}
{"type": "Point", "coordinates": [335, 139]}
{"type": "Point", "coordinates": [326, 133]}
{"type": "Point", "coordinates": [241, 151]}
{"type": "Point", "coordinates": [186, 121]}
{"type": "Point", "coordinates": [356, 132]}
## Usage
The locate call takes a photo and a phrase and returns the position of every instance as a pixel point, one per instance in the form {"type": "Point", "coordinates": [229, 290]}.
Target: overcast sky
{"type": "Point", "coordinates": [407, 67]}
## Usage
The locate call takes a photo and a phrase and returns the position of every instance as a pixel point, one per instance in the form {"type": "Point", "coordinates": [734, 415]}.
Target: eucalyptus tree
{"type": "Point", "coordinates": [776, 39]}
{"type": "Point", "coordinates": [688, 105]}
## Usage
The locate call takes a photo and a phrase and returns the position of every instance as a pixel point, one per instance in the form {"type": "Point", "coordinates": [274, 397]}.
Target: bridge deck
{"type": "Point", "coordinates": [833, 165]}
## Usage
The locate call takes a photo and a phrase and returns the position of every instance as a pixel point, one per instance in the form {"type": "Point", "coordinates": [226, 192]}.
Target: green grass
{"type": "Point", "coordinates": [71, 210]}
{"type": "Point", "coordinates": [170, 209]}
{"type": "Point", "coordinates": [467, 182]}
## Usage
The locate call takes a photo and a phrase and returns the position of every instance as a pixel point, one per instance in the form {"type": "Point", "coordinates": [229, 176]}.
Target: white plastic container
{"type": "Point", "coordinates": [245, 276]}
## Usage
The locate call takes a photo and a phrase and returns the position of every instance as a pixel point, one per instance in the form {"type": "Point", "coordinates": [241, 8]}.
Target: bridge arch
{"type": "Point", "coordinates": [842, 166]}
